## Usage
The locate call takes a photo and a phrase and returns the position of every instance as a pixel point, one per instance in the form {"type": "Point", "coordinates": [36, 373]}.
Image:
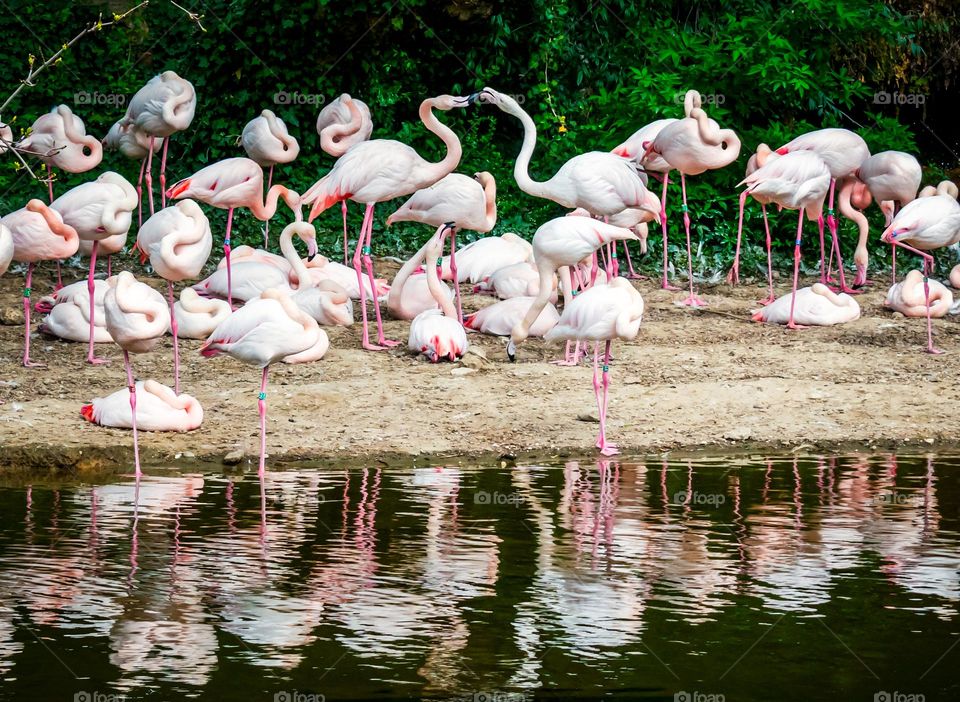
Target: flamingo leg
{"type": "Point", "coordinates": [27, 363]}
{"type": "Point", "coordinates": [109, 265]}
{"type": "Point", "coordinates": [133, 415]}
{"type": "Point", "coordinates": [361, 256]}
{"type": "Point", "coordinates": [823, 263]}
{"type": "Point", "coordinates": [453, 271]}
{"type": "Point", "coordinates": [606, 448]}
{"type": "Point", "coordinates": [633, 275]}
{"type": "Point", "coordinates": [693, 300]}
{"type": "Point", "coordinates": [665, 285]}
{"type": "Point", "coordinates": [143, 165]}
{"type": "Point", "coordinates": [163, 173]}
{"type": "Point", "coordinates": [346, 248]}
{"type": "Point", "coordinates": [50, 191]}
{"type": "Point", "coordinates": [226, 252]}
{"type": "Point", "coordinates": [733, 277]}
{"type": "Point", "coordinates": [835, 249]}
{"type": "Point", "coordinates": [149, 175]}
{"type": "Point", "coordinates": [91, 358]}
{"type": "Point", "coordinates": [596, 387]}
{"type": "Point", "coordinates": [893, 264]}
{"type": "Point", "coordinates": [927, 270]}
{"type": "Point", "coordinates": [796, 272]}
{"type": "Point", "coordinates": [766, 227]}
{"type": "Point", "coordinates": [262, 409]}
{"type": "Point", "coordinates": [382, 341]}
{"type": "Point", "coordinates": [176, 341]}
{"type": "Point", "coordinates": [266, 225]}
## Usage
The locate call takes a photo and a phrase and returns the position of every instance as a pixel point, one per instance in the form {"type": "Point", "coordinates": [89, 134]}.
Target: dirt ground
{"type": "Point", "coordinates": [692, 379]}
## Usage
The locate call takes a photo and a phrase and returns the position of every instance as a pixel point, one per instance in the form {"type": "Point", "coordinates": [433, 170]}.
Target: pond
{"type": "Point", "coordinates": [728, 578]}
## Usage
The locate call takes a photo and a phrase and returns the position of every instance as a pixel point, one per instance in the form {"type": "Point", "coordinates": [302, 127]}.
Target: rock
{"type": "Point", "coordinates": [11, 315]}
{"type": "Point", "coordinates": [474, 358]}
{"type": "Point", "coordinates": [233, 458]}
{"type": "Point", "coordinates": [463, 371]}
{"type": "Point", "coordinates": [737, 434]}
{"type": "Point", "coordinates": [588, 418]}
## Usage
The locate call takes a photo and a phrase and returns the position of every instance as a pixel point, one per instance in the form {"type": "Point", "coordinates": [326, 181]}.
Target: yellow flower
{"type": "Point", "coordinates": [563, 124]}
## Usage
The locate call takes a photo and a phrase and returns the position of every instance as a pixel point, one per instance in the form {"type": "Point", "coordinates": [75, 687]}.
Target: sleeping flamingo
{"type": "Point", "coordinates": [327, 302]}
{"type": "Point", "coordinates": [601, 313]}
{"type": "Point", "coordinates": [178, 241]}
{"type": "Point", "coordinates": [232, 183]}
{"type": "Point", "coordinates": [482, 258]}
{"type": "Point", "coordinates": [501, 317]}
{"type": "Point", "coordinates": [68, 313]}
{"type": "Point", "coordinates": [467, 203]}
{"type": "Point", "coordinates": [134, 144]}
{"type": "Point", "coordinates": [909, 298]}
{"type": "Point", "coordinates": [98, 210]}
{"type": "Point", "coordinates": [267, 141]}
{"type": "Point", "coordinates": [815, 306]}
{"type": "Point", "coordinates": [411, 293]}
{"type": "Point", "coordinates": [321, 269]}
{"type": "Point", "coordinates": [39, 234]}
{"type": "Point", "coordinates": [693, 145]}
{"type": "Point", "coordinates": [923, 225]}
{"type": "Point", "coordinates": [437, 333]}
{"type": "Point", "coordinates": [161, 108]}
{"type": "Point", "coordinates": [516, 280]}
{"type": "Point", "coordinates": [137, 318]}
{"type": "Point", "coordinates": [380, 170]}
{"type": "Point", "coordinates": [158, 409]}
{"type": "Point", "coordinates": [196, 317]}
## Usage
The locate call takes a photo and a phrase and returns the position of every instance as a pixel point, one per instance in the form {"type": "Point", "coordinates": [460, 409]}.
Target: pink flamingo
{"type": "Point", "coordinates": [501, 317]}
{"type": "Point", "coordinates": [380, 170]}
{"type": "Point", "coordinates": [558, 243]}
{"type": "Point", "coordinates": [341, 124]}
{"type": "Point", "coordinates": [464, 202]}
{"type": "Point", "coordinates": [516, 280]}
{"type": "Point", "coordinates": [232, 183]}
{"type": "Point", "coordinates": [137, 318]}
{"type": "Point", "coordinates": [68, 313]}
{"type": "Point", "coordinates": [601, 313]}
{"type": "Point", "coordinates": [797, 181]}
{"type": "Point", "coordinates": [482, 258]}
{"type": "Point", "coordinates": [410, 293]}
{"type": "Point", "coordinates": [98, 210]}
{"type": "Point", "coordinates": [437, 333]}
{"type": "Point", "coordinates": [39, 234]}
{"type": "Point", "coordinates": [134, 144]}
{"type": "Point", "coordinates": [178, 241]}
{"type": "Point", "coordinates": [843, 152]}
{"type": "Point", "coordinates": [634, 149]}
{"type": "Point", "coordinates": [105, 247]}
{"type": "Point", "coordinates": [923, 225]}
{"type": "Point", "coordinates": [158, 409]}
{"type": "Point", "coordinates": [196, 316]}
{"type": "Point", "coordinates": [161, 108]}
{"type": "Point", "coordinates": [6, 248]}
{"type": "Point", "coordinates": [267, 141]}
{"type": "Point", "coordinates": [634, 218]}
{"type": "Point", "coordinates": [815, 306]}
{"type": "Point", "coordinates": [693, 145]}
{"type": "Point", "coordinates": [260, 333]}
{"type": "Point", "coordinates": [909, 297]}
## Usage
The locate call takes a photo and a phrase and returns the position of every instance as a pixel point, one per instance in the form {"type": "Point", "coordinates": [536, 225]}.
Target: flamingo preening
{"type": "Point", "coordinates": [266, 140]}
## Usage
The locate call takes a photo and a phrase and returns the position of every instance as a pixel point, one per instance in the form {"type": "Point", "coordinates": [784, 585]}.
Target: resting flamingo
{"type": "Point", "coordinates": [158, 409]}
{"type": "Point", "coordinates": [516, 280]}
{"type": "Point", "coordinates": [39, 234]}
{"type": "Point", "coordinates": [410, 293]}
{"type": "Point", "coordinates": [501, 317]}
{"type": "Point", "coordinates": [467, 203]}
{"type": "Point", "coordinates": [909, 298]}
{"type": "Point", "coordinates": [68, 313]}
{"type": "Point", "coordinates": [6, 248]}
{"type": "Point", "coordinates": [232, 183]}
{"type": "Point", "coordinates": [923, 225]}
{"type": "Point", "coordinates": [380, 170]}
{"type": "Point", "coordinates": [341, 124]}
{"type": "Point", "coordinates": [817, 305]}
{"type": "Point", "coordinates": [196, 317]}
{"type": "Point", "coordinates": [137, 318]}
{"type": "Point", "coordinates": [634, 218]}
{"type": "Point", "coordinates": [482, 258]}
{"type": "Point", "coordinates": [161, 108]}
{"type": "Point", "coordinates": [693, 145]}
{"type": "Point", "coordinates": [134, 144]}
{"type": "Point", "coordinates": [437, 333]}
{"type": "Point", "coordinates": [178, 241]}
{"type": "Point", "coordinates": [601, 313]}
{"type": "Point", "coordinates": [267, 141]}
{"type": "Point", "coordinates": [98, 210]}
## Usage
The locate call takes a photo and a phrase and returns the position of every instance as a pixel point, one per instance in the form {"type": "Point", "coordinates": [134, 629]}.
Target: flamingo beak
{"type": "Point", "coordinates": [311, 249]}
{"type": "Point", "coordinates": [178, 189]}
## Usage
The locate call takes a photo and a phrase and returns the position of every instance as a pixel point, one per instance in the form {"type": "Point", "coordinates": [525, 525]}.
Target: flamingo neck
{"type": "Point", "coordinates": [395, 297]}
{"type": "Point", "coordinates": [290, 253]}
{"type": "Point", "coordinates": [436, 171]}
{"type": "Point", "coordinates": [437, 289]}
{"type": "Point", "coordinates": [490, 201]}
{"type": "Point", "coordinates": [521, 169]}
{"type": "Point", "coordinates": [331, 135]}
{"type": "Point", "coordinates": [266, 209]}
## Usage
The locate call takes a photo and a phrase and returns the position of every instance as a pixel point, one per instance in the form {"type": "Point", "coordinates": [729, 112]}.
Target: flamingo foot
{"type": "Point", "coordinates": [667, 286]}
{"type": "Point", "coordinates": [733, 276]}
{"type": "Point", "coordinates": [93, 360]}
{"type": "Point", "coordinates": [608, 449]}
{"type": "Point", "coordinates": [636, 276]}
{"type": "Point", "coordinates": [27, 363]}
{"type": "Point", "coordinates": [387, 343]}
{"type": "Point", "coordinates": [794, 325]}
{"type": "Point", "coordinates": [564, 362]}
{"type": "Point", "coordinates": [934, 351]}
{"type": "Point", "coordinates": [766, 301]}
{"type": "Point", "coordinates": [846, 289]}
{"type": "Point", "coordinates": [693, 300]}
{"type": "Point", "coordinates": [379, 347]}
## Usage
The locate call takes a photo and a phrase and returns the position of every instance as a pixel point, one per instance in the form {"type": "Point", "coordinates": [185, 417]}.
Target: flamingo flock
{"type": "Point", "coordinates": [571, 261]}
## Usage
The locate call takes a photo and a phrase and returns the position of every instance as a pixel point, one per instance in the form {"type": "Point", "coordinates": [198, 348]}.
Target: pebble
{"type": "Point", "coordinates": [233, 458]}
{"type": "Point", "coordinates": [11, 315]}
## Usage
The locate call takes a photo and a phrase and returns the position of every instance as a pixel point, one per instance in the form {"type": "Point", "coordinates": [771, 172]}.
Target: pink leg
{"type": "Point", "coordinates": [796, 272]}
{"type": "Point", "coordinates": [109, 265]}
{"type": "Point", "coordinates": [91, 358]}
{"type": "Point", "coordinates": [133, 411]}
{"type": "Point", "coordinates": [823, 263]}
{"type": "Point", "coordinates": [596, 384]}
{"type": "Point", "coordinates": [149, 175]}
{"type": "Point", "coordinates": [606, 448]}
{"type": "Point", "coordinates": [343, 207]}
{"type": "Point", "coordinates": [665, 285]}
{"type": "Point", "coordinates": [733, 277]}
{"type": "Point", "coordinates": [143, 164]}
{"type": "Point", "coordinates": [176, 343]}
{"type": "Point", "coordinates": [27, 363]}
{"type": "Point", "coordinates": [927, 270]}
{"type": "Point", "coordinates": [262, 407]}
{"type": "Point", "coordinates": [50, 174]}
{"type": "Point", "coordinates": [835, 249]}
{"type": "Point", "coordinates": [59, 278]}
{"type": "Point", "coordinates": [163, 173]}
{"type": "Point", "coordinates": [633, 275]}
{"type": "Point", "coordinates": [226, 252]}
{"type": "Point", "coordinates": [453, 271]}
{"type": "Point", "coordinates": [382, 341]}
{"type": "Point", "coordinates": [766, 227]}
{"type": "Point", "coordinates": [266, 225]}
{"type": "Point", "coordinates": [894, 264]}
{"type": "Point", "coordinates": [693, 300]}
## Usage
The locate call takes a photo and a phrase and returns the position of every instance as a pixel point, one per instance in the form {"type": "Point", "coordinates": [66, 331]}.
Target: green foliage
{"type": "Point", "coordinates": [590, 74]}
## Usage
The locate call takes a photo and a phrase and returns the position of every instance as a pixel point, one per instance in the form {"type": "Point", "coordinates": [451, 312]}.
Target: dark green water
{"type": "Point", "coordinates": [728, 579]}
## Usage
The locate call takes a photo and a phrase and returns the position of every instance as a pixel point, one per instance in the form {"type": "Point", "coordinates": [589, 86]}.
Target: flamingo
{"type": "Point", "coordinates": [341, 124]}
{"type": "Point", "coordinates": [815, 306]}
{"type": "Point", "coordinates": [39, 234]}
{"type": "Point", "coordinates": [693, 145]}
{"type": "Point", "coordinates": [467, 203]}
{"type": "Point", "coordinates": [161, 108]}
{"type": "Point", "coordinates": [105, 247]}
{"type": "Point", "coordinates": [6, 249]}
{"type": "Point", "coordinates": [137, 318]}
{"type": "Point", "coordinates": [327, 302]}
{"type": "Point", "coordinates": [634, 149]}
{"type": "Point", "coordinates": [196, 317]}
{"type": "Point", "coordinates": [563, 241]}
{"type": "Point", "coordinates": [482, 258]}
{"type": "Point", "coordinates": [923, 225]}
{"type": "Point", "coordinates": [321, 268]}
{"type": "Point", "coordinates": [601, 313]}
{"type": "Point", "coordinates": [98, 210]}
{"type": "Point", "coordinates": [634, 218]}
{"type": "Point", "coordinates": [232, 183]}
{"type": "Point", "coordinates": [844, 152]}
{"type": "Point", "coordinates": [178, 241]}
{"type": "Point", "coordinates": [437, 333]}
{"type": "Point", "coordinates": [260, 333]}
{"type": "Point", "coordinates": [267, 141]}
{"type": "Point", "coordinates": [380, 170]}
{"type": "Point", "coordinates": [798, 180]}
{"type": "Point", "coordinates": [134, 144]}
{"type": "Point", "coordinates": [516, 280]}
{"type": "Point", "coordinates": [909, 298]}
{"type": "Point", "coordinates": [158, 409]}
{"type": "Point", "coordinates": [501, 317]}
{"type": "Point", "coordinates": [411, 293]}
{"type": "Point", "coordinates": [68, 313]}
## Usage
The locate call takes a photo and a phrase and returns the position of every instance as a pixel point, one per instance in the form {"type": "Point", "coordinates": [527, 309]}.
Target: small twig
{"type": "Point", "coordinates": [193, 16]}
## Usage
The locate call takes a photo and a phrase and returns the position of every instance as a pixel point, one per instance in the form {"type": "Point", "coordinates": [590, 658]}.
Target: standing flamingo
{"type": "Point", "coordinates": [137, 318]}
{"type": "Point", "coordinates": [232, 183]}
{"type": "Point", "coordinates": [161, 108]}
{"type": "Point", "coordinates": [437, 333]}
{"type": "Point", "coordinates": [39, 234]}
{"type": "Point", "coordinates": [693, 145]}
{"type": "Point", "coordinates": [923, 225]}
{"type": "Point", "coordinates": [6, 248]}
{"type": "Point", "coordinates": [601, 313]}
{"type": "Point", "coordinates": [97, 210]}
{"type": "Point", "coordinates": [341, 124]}
{"type": "Point", "coordinates": [266, 141]}
{"type": "Point", "coordinates": [178, 241]}
{"type": "Point", "coordinates": [380, 170]}
{"type": "Point", "coordinates": [134, 144]}
{"type": "Point", "coordinates": [464, 202]}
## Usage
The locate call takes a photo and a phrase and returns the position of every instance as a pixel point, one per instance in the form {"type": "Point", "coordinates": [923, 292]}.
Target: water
{"type": "Point", "coordinates": [723, 579]}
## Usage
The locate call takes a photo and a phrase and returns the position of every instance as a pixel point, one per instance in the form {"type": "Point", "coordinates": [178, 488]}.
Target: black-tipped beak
{"type": "Point", "coordinates": [310, 257]}
{"type": "Point", "coordinates": [471, 99]}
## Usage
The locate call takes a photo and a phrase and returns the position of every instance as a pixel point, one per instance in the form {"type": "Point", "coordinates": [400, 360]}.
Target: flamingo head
{"type": "Point", "coordinates": [860, 196]}
{"type": "Point", "coordinates": [180, 189]}
{"type": "Point", "coordinates": [448, 102]}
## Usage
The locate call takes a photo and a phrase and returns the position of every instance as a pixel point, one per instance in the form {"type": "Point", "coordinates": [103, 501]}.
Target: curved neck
{"type": "Point", "coordinates": [193, 231]}
{"type": "Point", "coordinates": [290, 253]}
{"type": "Point", "coordinates": [852, 213]}
{"type": "Point", "coordinates": [438, 170]}
{"type": "Point", "coordinates": [395, 297]}
{"type": "Point", "coordinates": [490, 201]}
{"type": "Point", "coordinates": [330, 135]}
{"type": "Point", "coordinates": [265, 210]}
{"type": "Point", "coordinates": [56, 224]}
{"type": "Point", "coordinates": [308, 323]}
{"type": "Point", "coordinates": [521, 169]}
{"type": "Point", "coordinates": [434, 249]}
